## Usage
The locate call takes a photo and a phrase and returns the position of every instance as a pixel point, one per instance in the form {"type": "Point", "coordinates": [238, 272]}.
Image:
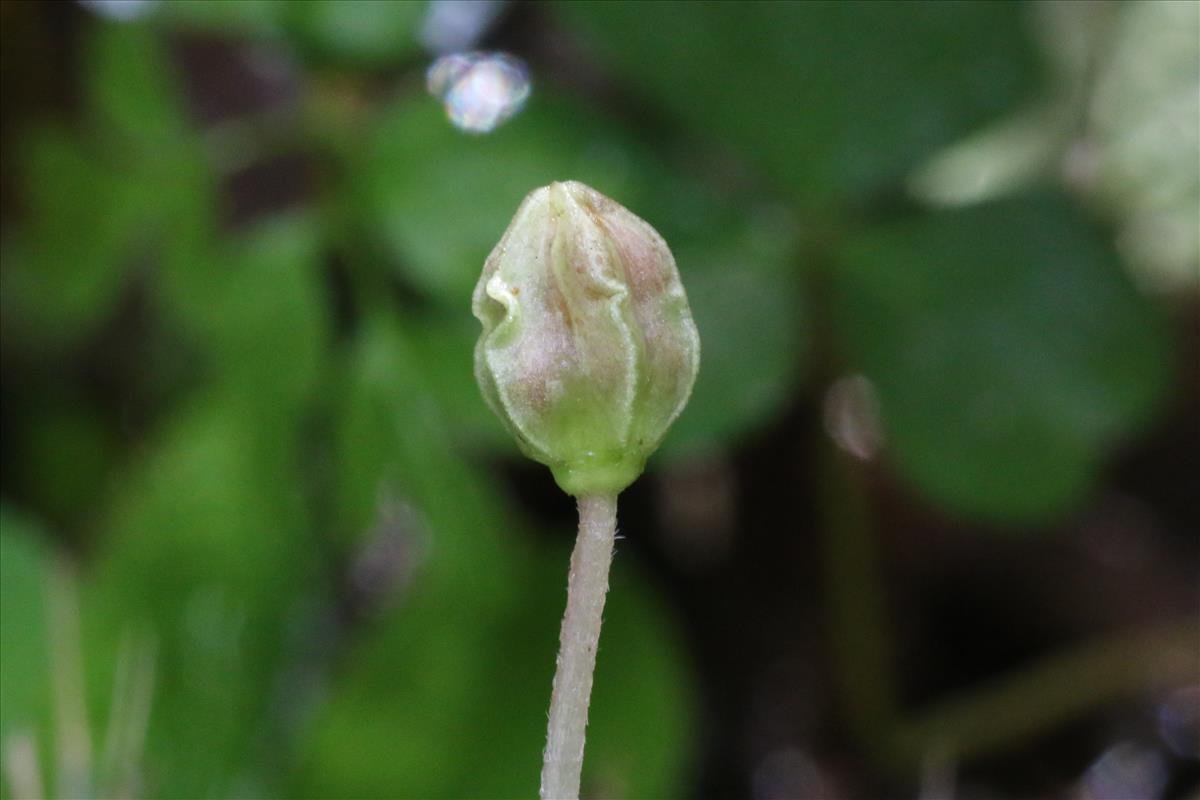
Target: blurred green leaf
{"type": "Point", "coordinates": [831, 98]}
{"type": "Point", "coordinates": [66, 267]}
{"type": "Point", "coordinates": [194, 266]}
{"type": "Point", "coordinates": [24, 667]}
{"type": "Point", "coordinates": [1008, 349]}
{"type": "Point", "coordinates": [750, 308]}
{"type": "Point", "coordinates": [209, 541]}
{"type": "Point", "coordinates": [267, 324]}
{"type": "Point", "coordinates": [358, 34]}
{"type": "Point", "coordinates": [133, 97]}
{"type": "Point", "coordinates": [641, 724]}
{"type": "Point", "coordinates": [1145, 141]}
{"type": "Point", "coordinates": [364, 33]}
{"type": "Point", "coordinates": [444, 344]}
{"type": "Point", "coordinates": [167, 180]}
{"type": "Point", "coordinates": [206, 551]}
{"type": "Point", "coordinates": [438, 200]}
{"type": "Point", "coordinates": [392, 437]}
{"type": "Point", "coordinates": [67, 450]}
{"type": "Point", "coordinates": [393, 720]}
{"type": "Point", "coordinates": [226, 16]}
{"type": "Point", "coordinates": [93, 209]}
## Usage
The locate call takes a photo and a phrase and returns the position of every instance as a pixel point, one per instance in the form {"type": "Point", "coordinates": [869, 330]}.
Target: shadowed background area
{"type": "Point", "coordinates": [926, 529]}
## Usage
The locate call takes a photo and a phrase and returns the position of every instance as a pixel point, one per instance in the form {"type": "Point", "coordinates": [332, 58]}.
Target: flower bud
{"type": "Point", "coordinates": [588, 351]}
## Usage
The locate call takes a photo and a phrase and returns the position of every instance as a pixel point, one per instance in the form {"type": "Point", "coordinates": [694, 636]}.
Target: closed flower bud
{"type": "Point", "coordinates": [588, 351]}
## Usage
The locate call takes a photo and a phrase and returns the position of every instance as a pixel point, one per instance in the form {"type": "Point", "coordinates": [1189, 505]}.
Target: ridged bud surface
{"type": "Point", "coordinates": [588, 351]}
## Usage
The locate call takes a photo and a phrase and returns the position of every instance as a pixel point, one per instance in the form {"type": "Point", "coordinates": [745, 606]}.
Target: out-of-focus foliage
{"type": "Point", "coordinates": [831, 101]}
{"type": "Point", "coordinates": [1119, 120]}
{"type": "Point", "coordinates": [24, 681]}
{"type": "Point", "coordinates": [1143, 151]}
{"type": "Point", "coordinates": [1008, 349]}
{"type": "Point", "coordinates": [362, 34]}
{"type": "Point", "coordinates": [283, 489]}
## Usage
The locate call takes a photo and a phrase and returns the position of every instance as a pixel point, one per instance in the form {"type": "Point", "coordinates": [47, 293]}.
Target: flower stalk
{"type": "Point", "coordinates": [587, 586]}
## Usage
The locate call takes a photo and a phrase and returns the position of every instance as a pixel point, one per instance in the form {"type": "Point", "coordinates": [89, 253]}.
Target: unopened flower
{"type": "Point", "coordinates": [588, 351]}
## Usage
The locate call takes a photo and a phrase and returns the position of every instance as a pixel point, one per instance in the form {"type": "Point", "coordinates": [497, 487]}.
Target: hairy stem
{"type": "Point", "coordinates": [586, 588]}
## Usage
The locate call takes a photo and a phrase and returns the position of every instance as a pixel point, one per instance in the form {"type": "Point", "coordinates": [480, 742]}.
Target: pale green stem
{"type": "Point", "coordinates": [129, 715]}
{"type": "Point", "coordinates": [1051, 691]}
{"type": "Point", "coordinates": [21, 769]}
{"type": "Point", "coordinates": [984, 719]}
{"type": "Point", "coordinates": [586, 588]}
{"type": "Point", "coordinates": [66, 676]}
{"type": "Point", "coordinates": [861, 647]}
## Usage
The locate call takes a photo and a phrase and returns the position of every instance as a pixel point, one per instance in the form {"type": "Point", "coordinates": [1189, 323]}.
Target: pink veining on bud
{"type": "Point", "coordinates": [588, 351]}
